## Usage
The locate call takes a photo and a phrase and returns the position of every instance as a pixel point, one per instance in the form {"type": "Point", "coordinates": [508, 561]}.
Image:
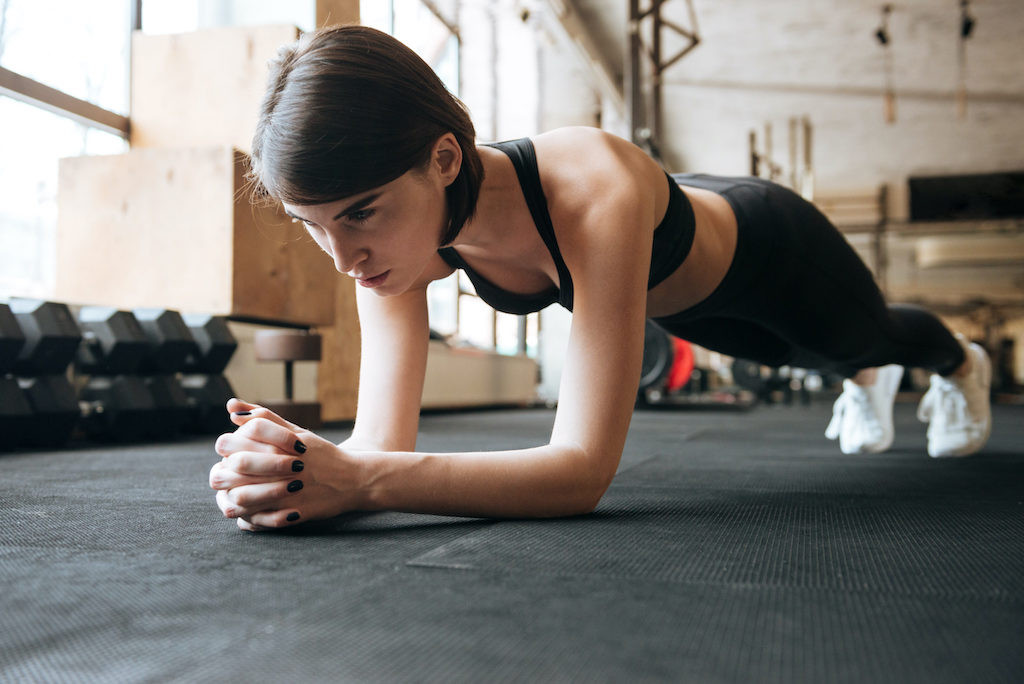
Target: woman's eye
{"type": "Point", "coordinates": [360, 216]}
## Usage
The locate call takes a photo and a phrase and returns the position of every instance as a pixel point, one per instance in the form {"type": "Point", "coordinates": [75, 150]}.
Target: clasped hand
{"type": "Point", "coordinates": [274, 474]}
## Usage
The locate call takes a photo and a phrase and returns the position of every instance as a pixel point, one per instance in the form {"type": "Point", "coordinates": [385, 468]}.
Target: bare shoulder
{"type": "Point", "coordinates": [590, 175]}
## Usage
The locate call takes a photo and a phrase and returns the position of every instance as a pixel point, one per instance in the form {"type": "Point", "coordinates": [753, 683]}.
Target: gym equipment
{"type": "Point", "coordinates": [51, 340]}
{"type": "Point", "coordinates": [51, 337]}
{"type": "Point", "coordinates": [170, 346]}
{"type": "Point", "coordinates": [208, 390]}
{"type": "Point", "coordinates": [215, 345]}
{"type": "Point", "coordinates": [15, 412]}
{"type": "Point", "coordinates": [291, 346]}
{"type": "Point", "coordinates": [170, 343]}
{"type": "Point", "coordinates": [11, 339]}
{"type": "Point", "coordinates": [113, 341]}
{"type": "Point", "coordinates": [119, 408]}
{"type": "Point", "coordinates": [771, 384]}
{"type": "Point", "coordinates": [657, 359]}
{"type": "Point", "coordinates": [54, 411]}
{"type": "Point", "coordinates": [39, 340]}
{"type": "Point", "coordinates": [207, 395]}
{"type": "Point", "coordinates": [670, 380]}
{"type": "Point", "coordinates": [682, 365]}
{"type": "Point", "coordinates": [117, 403]}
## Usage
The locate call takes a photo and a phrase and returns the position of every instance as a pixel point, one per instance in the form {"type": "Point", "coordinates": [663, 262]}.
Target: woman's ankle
{"type": "Point", "coordinates": [865, 377]}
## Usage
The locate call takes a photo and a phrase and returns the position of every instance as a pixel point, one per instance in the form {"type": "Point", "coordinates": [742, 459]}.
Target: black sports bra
{"type": "Point", "coordinates": [673, 239]}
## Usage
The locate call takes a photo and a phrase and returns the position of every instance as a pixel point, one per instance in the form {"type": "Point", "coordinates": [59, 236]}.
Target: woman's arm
{"type": "Point", "coordinates": [394, 334]}
{"type": "Point", "coordinates": [596, 397]}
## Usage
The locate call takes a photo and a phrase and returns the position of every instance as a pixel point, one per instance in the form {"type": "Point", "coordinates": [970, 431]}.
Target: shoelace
{"type": "Point", "coordinates": [947, 400]}
{"type": "Point", "coordinates": [854, 403]}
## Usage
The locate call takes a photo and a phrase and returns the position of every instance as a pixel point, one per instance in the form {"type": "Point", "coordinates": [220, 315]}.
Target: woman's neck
{"type": "Point", "coordinates": [495, 207]}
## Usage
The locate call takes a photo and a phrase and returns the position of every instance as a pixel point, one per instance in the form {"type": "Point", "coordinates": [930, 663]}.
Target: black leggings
{"type": "Point", "coordinates": [798, 295]}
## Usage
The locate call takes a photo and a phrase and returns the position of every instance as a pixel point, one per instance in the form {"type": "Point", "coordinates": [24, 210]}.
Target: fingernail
{"type": "Point", "coordinates": [294, 485]}
{"type": "Point", "coordinates": [300, 447]}
{"type": "Point", "coordinates": [293, 516]}
{"type": "Point", "coordinates": [243, 413]}
{"type": "Point", "coordinates": [297, 466]}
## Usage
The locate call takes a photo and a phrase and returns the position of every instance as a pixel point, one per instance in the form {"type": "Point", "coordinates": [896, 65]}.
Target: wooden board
{"type": "Point", "coordinates": [201, 88]}
{"type": "Point", "coordinates": [174, 228]}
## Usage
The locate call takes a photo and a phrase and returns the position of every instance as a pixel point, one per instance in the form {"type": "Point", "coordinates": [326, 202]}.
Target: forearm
{"type": "Point", "coordinates": [544, 481]}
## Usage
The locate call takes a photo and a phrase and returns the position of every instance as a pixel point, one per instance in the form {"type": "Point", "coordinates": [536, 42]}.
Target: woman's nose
{"type": "Point", "coordinates": [346, 258]}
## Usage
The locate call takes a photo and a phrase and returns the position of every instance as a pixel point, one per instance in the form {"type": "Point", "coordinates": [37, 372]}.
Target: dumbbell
{"type": "Point", "coordinates": [200, 348]}
{"type": "Point", "coordinates": [171, 346]}
{"type": "Point", "coordinates": [51, 339]}
{"type": "Point", "coordinates": [116, 403]}
{"type": "Point", "coordinates": [14, 407]}
{"type": "Point", "coordinates": [204, 382]}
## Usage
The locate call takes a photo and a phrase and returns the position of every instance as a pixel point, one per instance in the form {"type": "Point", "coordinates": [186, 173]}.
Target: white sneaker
{"type": "Point", "coordinates": [862, 416]}
{"type": "Point", "coordinates": [957, 409]}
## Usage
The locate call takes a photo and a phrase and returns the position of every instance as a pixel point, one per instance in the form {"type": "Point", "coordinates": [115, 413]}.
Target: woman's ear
{"type": "Point", "coordinates": [446, 158]}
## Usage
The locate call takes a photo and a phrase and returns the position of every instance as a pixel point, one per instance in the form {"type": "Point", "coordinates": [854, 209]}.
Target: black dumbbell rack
{"type": "Point", "coordinates": [104, 374]}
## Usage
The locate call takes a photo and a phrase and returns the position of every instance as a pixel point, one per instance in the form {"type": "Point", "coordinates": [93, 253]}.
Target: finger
{"type": "Point", "coordinates": [225, 478]}
{"type": "Point", "coordinates": [256, 498]}
{"type": "Point", "coordinates": [242, 412]}
{"type": "Point", "coordinates": [226, 505]}
{"type": "Point", "coordinates": [260, 464]}
{"type": "Point", "coordinates": [230, 442]}
{"type": "Point", "coordinates": [267, 431]}
{"type": "Point", "coordinates": [285, 517]}
{"type": "Point", "coordinates": [260, 434]}
{"type": "Point", "coordinates": [244, 524]}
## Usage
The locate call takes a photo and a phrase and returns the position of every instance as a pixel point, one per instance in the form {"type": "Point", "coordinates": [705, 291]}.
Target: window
{"type": "Point", "coordinates": [80, 48]}
{"type": "Point", "coordinates": [85, 56]}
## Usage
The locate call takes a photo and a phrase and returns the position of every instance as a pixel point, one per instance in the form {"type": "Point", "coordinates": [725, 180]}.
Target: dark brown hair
{"type": "Point", "coordinates": [348, 109]}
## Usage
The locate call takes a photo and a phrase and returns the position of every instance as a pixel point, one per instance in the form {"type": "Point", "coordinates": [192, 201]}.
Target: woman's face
{"type": "Point", "coordinates": [385, 237]}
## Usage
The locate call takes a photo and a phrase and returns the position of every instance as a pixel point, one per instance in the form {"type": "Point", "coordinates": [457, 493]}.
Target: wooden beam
{"type": "Point", "coordinates": [24, 89]}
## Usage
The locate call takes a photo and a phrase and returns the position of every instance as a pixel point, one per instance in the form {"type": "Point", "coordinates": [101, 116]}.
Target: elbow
{"type": "Point", "coordinates": [586, 500]}
{"type": "Point", "coordinates": [590, 489]}
{"type": "Point", "coordinates": [596, 491]}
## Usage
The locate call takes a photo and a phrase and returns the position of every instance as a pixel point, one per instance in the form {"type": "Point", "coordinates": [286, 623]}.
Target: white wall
{"type": "Point", "coordinates": [769, 60]}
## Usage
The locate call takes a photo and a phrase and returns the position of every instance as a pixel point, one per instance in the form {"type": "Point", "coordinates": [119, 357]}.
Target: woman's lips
{"type": "Point", "coordinates": [375, 281]}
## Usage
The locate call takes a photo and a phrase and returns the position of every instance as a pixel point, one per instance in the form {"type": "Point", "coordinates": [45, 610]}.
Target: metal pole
{"type": "Point", "coordinates": [656, 77]}
{"type": "Point", "coordinates": [881, 248]}
{"type": "Point", "coordinates": [794, 160]}
{"type": "Point", "coordinates": [754, 170]}
{"type": "Point", "coordinates": [633, 92]}
{"type": "Point", "coordinates": [807, 189]}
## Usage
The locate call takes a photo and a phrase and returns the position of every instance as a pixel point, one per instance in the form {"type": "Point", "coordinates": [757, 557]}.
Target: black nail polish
{"type": "Point", "coordinates": [300, 447]}
{"type": "Point", "coordinates": [293, 516]}
{"type": "Point", "coordinates": [243, 413]}
{"type": "Point", "coordinates": [297, 466]}
{"type": "Point", "coordinates": [294, 485]}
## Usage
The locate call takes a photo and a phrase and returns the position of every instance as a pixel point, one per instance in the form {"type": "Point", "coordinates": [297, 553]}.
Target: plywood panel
{"type": "Point", "coordinates": [129, 228]}
{"type": "Point", "coordinates": [173, 228]}
{"type": "Point", "coordinates": [201, 88]}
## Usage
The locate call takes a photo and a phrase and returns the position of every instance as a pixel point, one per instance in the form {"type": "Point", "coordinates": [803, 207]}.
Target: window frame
{"type": "Point", "coordinates": [19, 87]}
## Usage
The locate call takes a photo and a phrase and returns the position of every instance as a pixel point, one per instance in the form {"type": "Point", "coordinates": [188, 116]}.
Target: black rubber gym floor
{"type": "Point", "coordinates": [732, 547]}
